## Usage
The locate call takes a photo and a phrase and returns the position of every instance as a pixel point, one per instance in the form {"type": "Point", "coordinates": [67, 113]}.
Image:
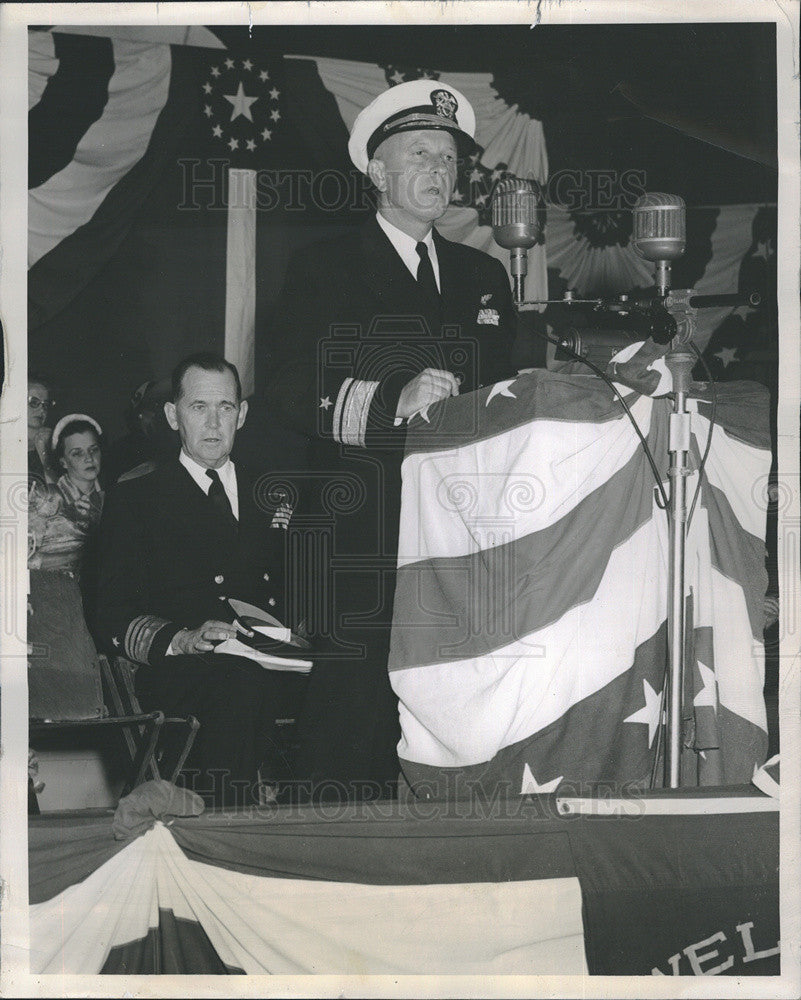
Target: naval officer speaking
{"type": "Point", "coordinates": [369, 329]}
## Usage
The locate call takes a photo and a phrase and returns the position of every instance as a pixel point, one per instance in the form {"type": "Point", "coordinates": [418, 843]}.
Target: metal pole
{"type": "Point", "coordinates": [680, 365]}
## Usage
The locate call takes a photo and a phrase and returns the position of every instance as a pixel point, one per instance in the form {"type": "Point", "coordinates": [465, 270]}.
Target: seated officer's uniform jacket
{"type": "Point", "coordinates": [168, 558]}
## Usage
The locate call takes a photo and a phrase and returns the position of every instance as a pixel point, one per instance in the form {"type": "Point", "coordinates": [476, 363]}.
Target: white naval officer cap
{"type": "Point", "coordinates": [410, 107]}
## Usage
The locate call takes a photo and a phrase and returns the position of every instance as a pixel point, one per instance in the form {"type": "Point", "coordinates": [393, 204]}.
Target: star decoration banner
{"type": "Point", "coordinates": [529, 632]}
{"type": "Point", "coordinates": [242, 106]}
{"type": "Point", "coordinates": [121, 130]}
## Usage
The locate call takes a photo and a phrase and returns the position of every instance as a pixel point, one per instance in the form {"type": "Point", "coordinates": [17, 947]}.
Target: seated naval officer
{"type": "Point", "coordinates": [175, 544]}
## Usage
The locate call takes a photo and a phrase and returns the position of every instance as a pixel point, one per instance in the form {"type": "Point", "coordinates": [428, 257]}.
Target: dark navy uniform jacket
{"type": "Point", "coordinates": [167, 559]}
{"type": "Point", "coordinates": [349, 330]}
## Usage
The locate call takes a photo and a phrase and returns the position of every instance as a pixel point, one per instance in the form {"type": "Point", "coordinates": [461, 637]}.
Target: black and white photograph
{"type": "Point", "coordinates": [401, 596]}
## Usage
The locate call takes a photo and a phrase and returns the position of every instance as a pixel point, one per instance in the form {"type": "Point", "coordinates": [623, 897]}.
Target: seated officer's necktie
{"type": "Point", "coordinates": [219, 498]}
{"type": "Point", "coordinates": [426, 281]}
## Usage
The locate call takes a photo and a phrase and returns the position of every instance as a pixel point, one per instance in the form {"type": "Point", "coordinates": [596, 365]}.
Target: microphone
{"type": "Point", "coordinates": [660, 233]}
{"type": "Point", "coordinates": [597, 345]}
{"type": "Point", "coordinates": [518, 222]}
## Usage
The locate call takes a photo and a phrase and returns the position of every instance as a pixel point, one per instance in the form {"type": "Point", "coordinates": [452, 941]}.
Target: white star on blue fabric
{"type": "Point", "coordinates": [649, 713]}
{"type": "Point", "coordinates": [501, 389]}
{"type": "Point", "coordinates": [763, 250]}
{"type": "Point", "coordinates": [727, 355]}
{"type": "Point", "coordinates": [708, 695]}
{"type": "Point", "coordinates": [531, 786]}
{"type": "Point", "coordinates": [240, 103]}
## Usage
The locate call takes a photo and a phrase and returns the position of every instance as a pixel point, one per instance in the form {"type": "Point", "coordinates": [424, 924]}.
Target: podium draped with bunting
{"type": "Point", "coordinates": [529, 643]}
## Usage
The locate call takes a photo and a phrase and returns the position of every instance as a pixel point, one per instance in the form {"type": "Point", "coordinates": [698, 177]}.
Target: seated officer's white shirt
{"type": "Point", "coordinates": [227, 474]}
{"type": "Point", "coordinates": [406, 247]}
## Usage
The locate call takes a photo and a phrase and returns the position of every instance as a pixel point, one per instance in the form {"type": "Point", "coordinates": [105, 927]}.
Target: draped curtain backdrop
{"type": "Point", "coordinates": [131, 267]}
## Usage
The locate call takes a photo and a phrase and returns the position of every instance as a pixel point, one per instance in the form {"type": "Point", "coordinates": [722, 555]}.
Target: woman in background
{"type": "Point", "coordinates": [40, 402]}
{"type": "Point", "coordinates": [63, 675]}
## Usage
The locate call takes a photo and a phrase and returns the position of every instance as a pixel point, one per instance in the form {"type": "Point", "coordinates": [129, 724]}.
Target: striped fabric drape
{"type": "Point", "coordinates": [507, 886]}
{"type": "Point", "coordinates": [528, 645]}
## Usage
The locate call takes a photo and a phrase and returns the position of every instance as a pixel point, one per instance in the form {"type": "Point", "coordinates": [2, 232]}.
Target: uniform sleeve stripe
{"type": "Point", "coordinates": [140, 635]}
{"type": "Point", "coordinates": [344, 391]}
{"type": "Point", "coordinates": [352, 425]}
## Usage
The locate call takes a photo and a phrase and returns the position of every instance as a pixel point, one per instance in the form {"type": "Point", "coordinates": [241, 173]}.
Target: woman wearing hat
{"type": "Point", "coordinates": [398, 318]}
{"type": "Point", "coordinates": [63, 676]}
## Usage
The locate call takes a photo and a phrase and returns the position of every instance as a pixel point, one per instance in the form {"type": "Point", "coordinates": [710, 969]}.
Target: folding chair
{"type": "Point", "coordinates": [118, 679]}
{"type": "Point", "coordinates": [147, 726]}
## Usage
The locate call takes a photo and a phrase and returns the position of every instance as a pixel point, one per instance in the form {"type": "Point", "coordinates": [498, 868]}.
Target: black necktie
{"type": "Point", "coordinates": [219, 497]}
{"type": "Point", "coordinates": [426, 281]}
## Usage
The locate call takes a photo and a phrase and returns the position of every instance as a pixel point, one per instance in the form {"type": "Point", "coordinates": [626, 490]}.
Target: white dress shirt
{"type": "Point", "coordinates": [406, 247]}
{"type": "Point", "coordinates": [227, 474]}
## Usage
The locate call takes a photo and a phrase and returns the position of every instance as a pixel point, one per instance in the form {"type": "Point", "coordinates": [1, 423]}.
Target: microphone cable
{"type": "Point", "coordinates": [602, 375]}
{"type": "Point", "coordinates": [714, 391]}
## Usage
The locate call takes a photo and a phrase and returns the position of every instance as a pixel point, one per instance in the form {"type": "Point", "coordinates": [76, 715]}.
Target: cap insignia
{"type": "Point", "coordinates": [445, 103]}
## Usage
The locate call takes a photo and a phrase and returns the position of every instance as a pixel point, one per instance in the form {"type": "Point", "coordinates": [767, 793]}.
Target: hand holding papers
{"type": "Point", "coordinates": [265, 640]}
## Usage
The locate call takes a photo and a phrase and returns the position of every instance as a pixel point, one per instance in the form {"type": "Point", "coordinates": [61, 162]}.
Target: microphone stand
{"type": "Point", "coordinates": [682, 306]}
{"type": "Point", "coordinates": [679, 362]}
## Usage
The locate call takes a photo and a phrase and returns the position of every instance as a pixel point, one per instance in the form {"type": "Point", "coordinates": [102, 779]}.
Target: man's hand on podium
{"type": "Point", "coordinates": [431, 385]}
